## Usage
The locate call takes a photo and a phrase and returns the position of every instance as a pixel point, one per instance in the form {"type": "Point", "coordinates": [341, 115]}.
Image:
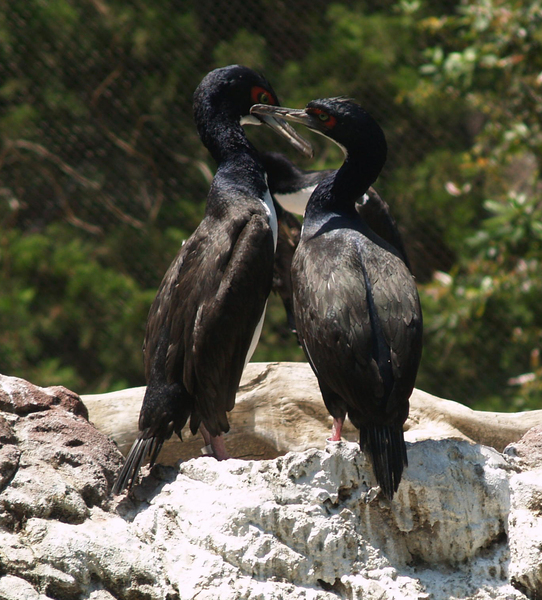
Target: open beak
{"type": "Point", "coordinates": [273, 118]}
{"type": "Point", "coordinates": [296, 115]}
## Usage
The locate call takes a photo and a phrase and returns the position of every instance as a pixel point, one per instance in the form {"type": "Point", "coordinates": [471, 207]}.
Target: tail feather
{"type": "Point", "coordinates": [385, 445]}
{"type": "Point", "coordinates": [141, 448]}
{"type": "Point", "coordinates": [165, 409]}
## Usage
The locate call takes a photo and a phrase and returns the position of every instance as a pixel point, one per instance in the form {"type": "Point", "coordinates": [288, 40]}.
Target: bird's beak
{"type": "Point", "coordinates": [273, 118]}
{"type": "Point", "coordinates": [296, 115]}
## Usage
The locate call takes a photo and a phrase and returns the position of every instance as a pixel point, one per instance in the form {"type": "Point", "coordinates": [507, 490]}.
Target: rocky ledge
{"type": "Point", "coordinates": [466, 522]}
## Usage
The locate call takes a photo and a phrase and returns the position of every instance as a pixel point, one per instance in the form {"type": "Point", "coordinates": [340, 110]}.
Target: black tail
{"type": "Point", "coordinates": [165, 409]}
{"type": "Point", "coordinates": [385, 445]}
{"type": "Point", "coordinates": [139, 451]}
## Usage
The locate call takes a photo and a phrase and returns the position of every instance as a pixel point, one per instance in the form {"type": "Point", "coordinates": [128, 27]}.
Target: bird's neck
{"type": "Point", "coordinates": [240, 173]}
{"type": "Point", "coordinates": [339, 192]}
{"type": "Point", "coordinates": [225, 139]}
{"type": "Point", "coordinates": [236, 157]}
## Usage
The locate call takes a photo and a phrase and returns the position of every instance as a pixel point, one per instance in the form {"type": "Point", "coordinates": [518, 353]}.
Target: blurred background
{"type": "Point", "coordinates": [102, 175]}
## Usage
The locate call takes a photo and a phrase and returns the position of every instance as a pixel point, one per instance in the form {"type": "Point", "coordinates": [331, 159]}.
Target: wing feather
{"type": "Point", "coordinates": [202, 304]}
{"type": "Point", "coordinates": [333, 274]}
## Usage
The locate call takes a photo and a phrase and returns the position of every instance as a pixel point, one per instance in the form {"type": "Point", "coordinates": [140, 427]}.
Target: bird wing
{"type": "Point", "coordinates": [331, 314]}
{"type": "Point", "coordinates": [378, 216]}
{"type": "Point", "coordinates": [397, 306]}
{"type": "Point", "coordinates": [338, 290]}
{"type": "Point", "coordinates": [202, 303]}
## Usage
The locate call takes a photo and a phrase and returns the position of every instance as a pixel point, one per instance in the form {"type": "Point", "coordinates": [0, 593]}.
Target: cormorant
{"type": "Point", "coordinates": [356, 304]}
{"type": "Point", "coordinates": [207, 315]}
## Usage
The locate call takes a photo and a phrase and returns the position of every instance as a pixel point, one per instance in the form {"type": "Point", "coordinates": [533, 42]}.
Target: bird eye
{"type": "Point", "coordinates": [329, 121]}
{"type": "Point", "coordinates": [261, 96]}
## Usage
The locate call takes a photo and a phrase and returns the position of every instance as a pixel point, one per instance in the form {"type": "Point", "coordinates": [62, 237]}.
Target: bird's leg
{"type": "Point", "coordinates": [219, 447]}
{"type": "Point", "coordinates": [214, 445]}
{"type": "Point", "coordinates": [336, 430]}
{"type": "Point", "coordinates": [207, 449]}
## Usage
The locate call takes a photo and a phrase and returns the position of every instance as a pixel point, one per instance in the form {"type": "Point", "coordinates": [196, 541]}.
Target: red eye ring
{"type": "Point", "coordinates": [260, 95]}
{"type": "Point", "coordinates": [327, 120]}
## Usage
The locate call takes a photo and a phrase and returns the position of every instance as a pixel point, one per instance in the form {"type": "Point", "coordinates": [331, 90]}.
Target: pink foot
{"type": "Point", "coordinates": [219, 447]}
{"type": "Point", "coordinates": [214, 445]}
{"type": "Point", "coordinates": [336, 430]}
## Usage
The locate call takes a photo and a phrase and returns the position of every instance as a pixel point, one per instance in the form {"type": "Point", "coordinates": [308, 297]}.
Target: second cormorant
{"type": "Point", "coordinates": [356, 304]}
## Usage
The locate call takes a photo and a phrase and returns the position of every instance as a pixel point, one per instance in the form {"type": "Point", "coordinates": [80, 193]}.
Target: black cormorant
{"type": "Point", "coordinates": [206, 318]}
{"type": "Point", "coordinates": [356, 304]}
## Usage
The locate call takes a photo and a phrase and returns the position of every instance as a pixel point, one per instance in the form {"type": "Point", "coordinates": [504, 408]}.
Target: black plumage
{"type": "Point", "coordinates": [289, 231]}
{"type": "Point", "coordinates": [206, 318]}
{"type": "Point", "coordinates": [356, 304]}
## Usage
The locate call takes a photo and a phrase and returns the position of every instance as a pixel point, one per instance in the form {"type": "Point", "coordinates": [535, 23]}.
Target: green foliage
{"type": "Point", "coordinates": [244, 48]}
{"type": "Point", "coordinates": [484, 322]}
{"type": "Point", "coordinates": [66, 316]}
{"type": "Point", "coordinates": [103, 175]}
{"type": "Point", "coordinates": [485, 318]}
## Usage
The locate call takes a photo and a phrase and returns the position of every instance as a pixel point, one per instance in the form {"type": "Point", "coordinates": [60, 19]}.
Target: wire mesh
{"type": "Point", "coordinates": [103, 175]}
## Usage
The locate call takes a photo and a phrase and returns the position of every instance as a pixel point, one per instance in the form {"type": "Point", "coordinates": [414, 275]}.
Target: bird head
{"type": "Point", "coordinates": [230, 92]}
{"type": "Point", "coordinates": [339, 119]}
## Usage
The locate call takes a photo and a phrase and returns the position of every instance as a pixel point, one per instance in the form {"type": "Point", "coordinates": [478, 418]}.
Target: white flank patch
{"type": "Point", "coordinates": [256, 336]}
{"type": "Point", "coordinates": [364, 199]}
{"type": "Point", "coordinates": [267, 201]}
{"type": "Point", "coordinates": [249, 120]}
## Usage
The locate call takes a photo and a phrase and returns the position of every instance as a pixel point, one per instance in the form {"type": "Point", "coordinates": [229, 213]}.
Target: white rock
{"type": "Point", "coordinates": [307, 525]}
{"type": "Point", "coordinates": [304, 518]}
{"type": "Point", "coordinates": [15, 588]}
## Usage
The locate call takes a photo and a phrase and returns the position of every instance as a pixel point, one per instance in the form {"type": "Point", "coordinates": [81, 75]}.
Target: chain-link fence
{"type": "Point", "coordinates": [103, 175]}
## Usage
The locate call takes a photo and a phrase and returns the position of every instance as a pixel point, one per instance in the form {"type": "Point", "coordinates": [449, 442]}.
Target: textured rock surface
{"type": "Point", "coordinates": [464, 524]}
{"type": "Point", "coordinates": [55, 468]}
{"type": "Point", "coordinates": [525, 524]}
{"type": "Point", "coordinates": [310, 525]}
